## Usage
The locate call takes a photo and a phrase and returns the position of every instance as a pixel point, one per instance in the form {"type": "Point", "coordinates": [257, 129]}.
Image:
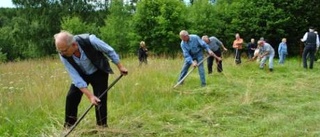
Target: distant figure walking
{"type": "Point", "coordinates": [143, 53]}
{"type": "Point", "coordinates": [311, 40]}
{"type": "Point", "coordinates": [282, 51]}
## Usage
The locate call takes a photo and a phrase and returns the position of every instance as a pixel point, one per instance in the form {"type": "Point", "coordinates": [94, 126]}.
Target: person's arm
{"type": "Point", "coordinates": [265, 52]}
{"type": "Point", "coordinates": [305, 36]}
{"type": "Point", "coordinates": [109, 51]}
{"type": "Point", "coordinates": [220, 44]}
{"type": "Point", "coordinates": [318, 43]}
{"type": "Point", "coordinates": [279, 48]}
{"type": "Point", "coordinates": [234, 45]}
{"type": "Point", "coordinates": [240, 41]}
{"type": "Point", "coordinates": [78, 81]}
{"type": "Point", "coordinates": [105, 48]}
{"type": "Point", "coordinates": [186, 53]}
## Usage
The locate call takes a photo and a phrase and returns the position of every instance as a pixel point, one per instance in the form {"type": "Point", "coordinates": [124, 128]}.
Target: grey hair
{"type": "Point", "coordinates": [183, 33]}
{"type": "Point", "coordinates": [260, 42]}
{"type": "Point", "coordinates": [205, 36]}
{"type": "Point", "coordinates": [69, 38]}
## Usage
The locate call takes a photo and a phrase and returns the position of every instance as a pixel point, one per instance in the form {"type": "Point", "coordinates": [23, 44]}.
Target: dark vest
{"type": "Point", "coordinates": [97, 58]}
{"type": "Point", "coordinates": [311, 39]}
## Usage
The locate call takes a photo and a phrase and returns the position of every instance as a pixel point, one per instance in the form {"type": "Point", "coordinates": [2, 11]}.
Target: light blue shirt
{"type": "Point", "coordinates": [85, 64]}
{"type": "Point", "coordinates": [266, 48]}
{"type": "Point", "coordinates": [282, 48]}
{"type": "Point", "coordinates": [193, 47]}
{"type": "Point", "coordinates": [214, 43]}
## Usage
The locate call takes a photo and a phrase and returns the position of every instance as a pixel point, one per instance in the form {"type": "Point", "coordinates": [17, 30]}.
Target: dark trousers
{"type": "Point", "coordinates": [237, 56]}
{"type": "Point", "coordinates": [309, 49]}
{"type": "Point", "coordinates": [210, 62]}
{"type": "Point", "coordinates": [143, 59]}
{"type": "Point", "coordinates": [250, 53]}
{"type": "Point", "coordinates": [99, 83]}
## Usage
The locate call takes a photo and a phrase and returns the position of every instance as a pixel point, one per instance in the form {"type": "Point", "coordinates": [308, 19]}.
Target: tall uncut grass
{"type": "Point", "coordinates": [242, 101]}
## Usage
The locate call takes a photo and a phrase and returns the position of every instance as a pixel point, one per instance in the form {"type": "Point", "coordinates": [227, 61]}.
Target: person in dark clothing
{"type": "Point", "coordinates": [311, 40]}
{"type": "Point", "coordinates": [251, 48]}
{"type": "Point", "coordinates": [83, 58]}
{"type": "Point", "coordinates": [143, 53]}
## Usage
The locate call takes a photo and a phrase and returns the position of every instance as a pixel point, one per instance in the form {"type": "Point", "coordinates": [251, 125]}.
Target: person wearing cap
{"type": "Point", "coordinates": [311, 40]}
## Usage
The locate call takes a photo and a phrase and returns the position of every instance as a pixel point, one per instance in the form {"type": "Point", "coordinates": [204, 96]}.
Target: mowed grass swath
{"type": "Point", "coordinates": [242, 101]}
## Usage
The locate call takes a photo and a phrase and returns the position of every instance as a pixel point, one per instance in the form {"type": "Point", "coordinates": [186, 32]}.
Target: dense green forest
{"type": "Point", "coordinates": [27, 30]}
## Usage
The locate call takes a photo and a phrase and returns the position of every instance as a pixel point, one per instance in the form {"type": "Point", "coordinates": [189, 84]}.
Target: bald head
{"type": "Point", "coordinates": [63, 37]}
{"type": "Point", "coordinates": [63, 41]}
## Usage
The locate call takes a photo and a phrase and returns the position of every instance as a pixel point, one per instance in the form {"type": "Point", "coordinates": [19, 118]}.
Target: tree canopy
{"type": "Point", "coordinates": [27, 29]}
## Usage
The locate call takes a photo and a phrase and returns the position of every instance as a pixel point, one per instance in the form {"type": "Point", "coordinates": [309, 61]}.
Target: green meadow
{"type": "Point", "coordinates": [240, 102]}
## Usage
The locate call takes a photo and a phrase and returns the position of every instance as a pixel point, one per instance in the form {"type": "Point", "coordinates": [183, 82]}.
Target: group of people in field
{"type": "Point", "coordinates": [261, 50]}
{"type": "Point", "coordinates": [84, 58]}
{"type": "Point", "coordinates": [192, 47]}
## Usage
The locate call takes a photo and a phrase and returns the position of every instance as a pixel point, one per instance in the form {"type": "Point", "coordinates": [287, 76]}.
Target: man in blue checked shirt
{"type": "Point", "coordinates": [83, 58]}
{"type": "Point", "coordinates": [192, 47]}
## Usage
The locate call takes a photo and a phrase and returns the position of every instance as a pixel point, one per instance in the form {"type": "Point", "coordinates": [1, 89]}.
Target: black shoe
{"type": "Point", "coordinates": [270, 69]}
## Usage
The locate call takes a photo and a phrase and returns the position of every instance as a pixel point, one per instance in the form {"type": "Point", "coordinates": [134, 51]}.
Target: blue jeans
{"type": "Point", "coordinates": [264, 59]}
{"type": "Point", "coordinates": [186, 67]}
{"type": "Point", "coordinates": [282, 57]}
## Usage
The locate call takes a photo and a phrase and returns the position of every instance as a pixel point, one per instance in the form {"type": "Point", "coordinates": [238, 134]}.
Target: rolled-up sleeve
{"type": "Point", "coordinates": [75, 76]}
{"type": "Point", "coordinates": [304, 38]}
{"type": "Point", "coordinates": [105, 48]}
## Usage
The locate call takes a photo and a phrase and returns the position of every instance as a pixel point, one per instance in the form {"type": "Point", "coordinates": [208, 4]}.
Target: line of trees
{"type": "Point", "coordinates": [27, 30]}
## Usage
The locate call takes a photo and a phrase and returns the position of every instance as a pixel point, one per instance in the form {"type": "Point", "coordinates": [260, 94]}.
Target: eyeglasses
{"type": "Point", "coordinates": [64, 51]}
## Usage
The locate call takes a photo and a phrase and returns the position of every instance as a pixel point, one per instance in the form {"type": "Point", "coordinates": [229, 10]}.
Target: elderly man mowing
{"type": "Point", "coordinates": [192, 47]}
{"type": "Point", "coordinates": [266, 51]}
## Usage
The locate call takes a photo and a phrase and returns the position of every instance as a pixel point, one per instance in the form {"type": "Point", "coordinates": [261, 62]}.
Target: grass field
{"type": "Point", "coordinates": [242, 101]}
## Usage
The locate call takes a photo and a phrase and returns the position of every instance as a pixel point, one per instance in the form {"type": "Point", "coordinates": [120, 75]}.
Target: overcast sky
{"type": "Point", "coordinates": [6, 3]}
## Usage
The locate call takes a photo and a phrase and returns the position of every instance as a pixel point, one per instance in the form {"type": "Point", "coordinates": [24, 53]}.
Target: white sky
{"type": "Point", "coordinates": [6, 3]}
